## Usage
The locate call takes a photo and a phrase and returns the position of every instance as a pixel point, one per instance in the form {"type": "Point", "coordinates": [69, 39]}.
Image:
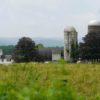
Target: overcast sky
{"type": "Point", "coordinates": [46, 18]}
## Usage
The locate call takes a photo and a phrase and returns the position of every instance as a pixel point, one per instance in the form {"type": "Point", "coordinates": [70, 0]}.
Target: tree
{"type": "Point", "coordinates": [25, 50]}
{"type": "Point", "coordinates": [90, 48]}
{"type": "Point", "coordinates": [74, 51]}
{"type": "Point", "coordinates": [8, 49]}
{"type": "Point", "coordinates": [39, 46]}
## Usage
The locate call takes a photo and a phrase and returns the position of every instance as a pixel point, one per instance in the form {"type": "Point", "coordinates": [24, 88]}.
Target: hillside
{"type": "Point", "coordinates": [47, 42]}
{"type": "Point", "coordinates": [31, 81]}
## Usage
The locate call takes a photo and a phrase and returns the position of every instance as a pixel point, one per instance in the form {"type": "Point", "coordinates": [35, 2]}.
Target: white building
{"type": "Point", "coordinates": [1, 52]}
{"type": "Point", "coordinates": [56, 54]}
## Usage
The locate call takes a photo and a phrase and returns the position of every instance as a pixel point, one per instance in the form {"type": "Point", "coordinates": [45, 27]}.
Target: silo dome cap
{"type": "Point", "coordinates": [94, 23]}
{"type": "Point", "coordinates": [69, 29]}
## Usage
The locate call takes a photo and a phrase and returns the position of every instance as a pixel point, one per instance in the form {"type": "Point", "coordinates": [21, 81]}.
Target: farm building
{"type": "Point", "coordinates": [51, 54]}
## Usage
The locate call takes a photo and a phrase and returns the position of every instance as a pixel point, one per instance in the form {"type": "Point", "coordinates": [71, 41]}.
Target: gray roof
{"type": "Point", "coordinates": [48, 51]}
{"type": "Point", "coordinates": [45, 51]}
{"type": "Point", "coordinates": [56, 51]}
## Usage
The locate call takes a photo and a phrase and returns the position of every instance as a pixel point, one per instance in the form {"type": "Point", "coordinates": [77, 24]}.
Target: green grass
{"type": "Point", "coordinates": [30, 81]}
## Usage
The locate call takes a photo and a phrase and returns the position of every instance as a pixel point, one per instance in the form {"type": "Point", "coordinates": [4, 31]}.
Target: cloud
{"type": "Point", "coordinates": [45, 18]}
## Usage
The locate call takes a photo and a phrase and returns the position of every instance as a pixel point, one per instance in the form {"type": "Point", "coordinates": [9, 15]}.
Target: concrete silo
{"type": "Point", "coordinates": [94, 26]}
{"type": "Point", "coordinates": [70, 36]}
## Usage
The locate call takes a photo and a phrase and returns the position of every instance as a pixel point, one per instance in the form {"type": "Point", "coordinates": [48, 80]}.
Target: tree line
{"type": "Point", "coordinates": [88, 50]}
{"type": "Point", "coordinates": [7, 49]}
{"type": "Point", "coordinates": [26, 50]}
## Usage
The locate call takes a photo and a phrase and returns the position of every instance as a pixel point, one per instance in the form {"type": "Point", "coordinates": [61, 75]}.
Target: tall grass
{"type": "Point", "coordinates": [31, 81]}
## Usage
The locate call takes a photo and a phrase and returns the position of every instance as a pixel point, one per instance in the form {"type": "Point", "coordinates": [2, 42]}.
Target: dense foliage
{"type": "Point", "coordinates": [90, 49]}
{"type": "Point", "coordinates": [74, 52]}
{"type": "Point", "coordinates": [8, 50]}
{"type": "Point", "coordinates": [40, 46]}
{"type": "Point", "coordinates": [25, 50]}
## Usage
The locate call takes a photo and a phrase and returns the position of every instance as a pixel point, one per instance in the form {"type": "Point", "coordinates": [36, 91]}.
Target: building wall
{"type": "Point", "coordinates": [56, 57]}
{"type": "Point", "coordinates": [94, 29]}
{"type": "Point", "coordinates": [1, 52]}
{"type": "Point", "coordinates": [66, 45]}
{"type": "Point", "coordinates": [69, 37]}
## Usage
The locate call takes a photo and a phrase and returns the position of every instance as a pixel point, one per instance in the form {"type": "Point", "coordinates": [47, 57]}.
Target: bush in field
{"type": "Point", "coordinates": [57, 90]}
{"type": "Point", "coordinates": [60, 81]}
{"type": "Point", "coordinates": [25, 81]}
{"type": "Point", "coordinates": [25, 50]}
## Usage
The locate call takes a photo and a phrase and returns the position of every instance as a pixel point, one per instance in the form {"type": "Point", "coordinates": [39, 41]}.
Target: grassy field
{"type": "Point", "coordinates": [30, 81]}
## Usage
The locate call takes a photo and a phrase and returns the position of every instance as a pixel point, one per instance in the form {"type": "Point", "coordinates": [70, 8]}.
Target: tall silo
{"type": "Point", "coordinates": [70, 36]}
{"type": "Point", "coordinates": [94, 26]}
